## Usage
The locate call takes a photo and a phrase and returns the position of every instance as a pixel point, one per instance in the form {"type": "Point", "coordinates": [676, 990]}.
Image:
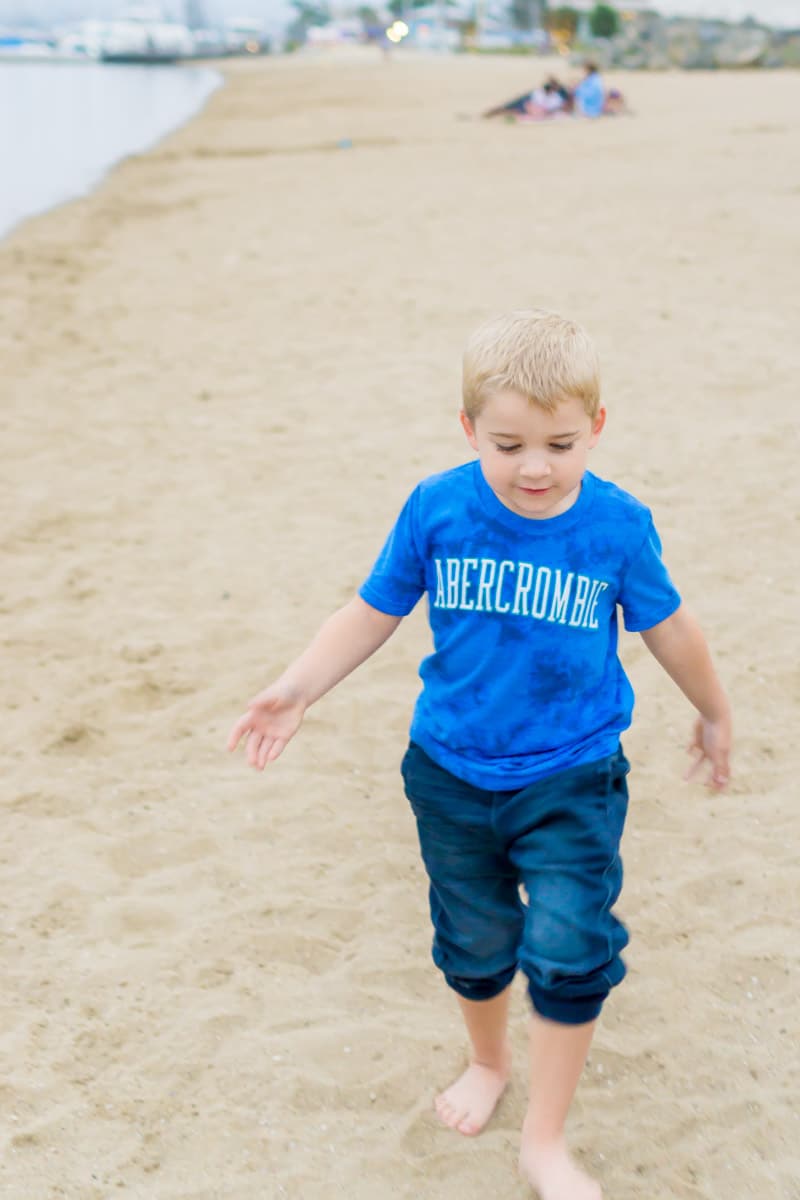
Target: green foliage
{"type": "Point", "coordinates": [307, 15]}
{"type": "Point", "coordinates": [310, 14]}
{"type": "Point", "coordinates": [563, 21]}
{"type": "Point", "coordinates": [603, 21]}
{"type": "Point", "coordinates": [399, 8]}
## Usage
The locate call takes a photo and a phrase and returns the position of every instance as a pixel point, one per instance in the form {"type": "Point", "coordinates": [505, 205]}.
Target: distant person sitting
{"type": "Point", "coordinates": [562, 90]}
{"type": "Point", "coordinates": [590, 94]}
{"type": "Point", "coordinates": [545, 101]}
{"type": "Point", "coordinates": [553, 99]}
{"type": "Point", "coordinates": [511, 108]}
{"type": "Point", "coordinates": [614, 103]}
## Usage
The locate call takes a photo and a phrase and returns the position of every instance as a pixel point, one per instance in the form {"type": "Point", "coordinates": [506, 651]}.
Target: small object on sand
{"type": "Point", "coordinates": [345, 143]}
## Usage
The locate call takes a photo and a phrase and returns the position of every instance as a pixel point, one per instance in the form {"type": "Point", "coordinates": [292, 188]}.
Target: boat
{"type": "Point", "coordinates": [143, 36]}
{"type": "Point", "coordinates": [26, 48]}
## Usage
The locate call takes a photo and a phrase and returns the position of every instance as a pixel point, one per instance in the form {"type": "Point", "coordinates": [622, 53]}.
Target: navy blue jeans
{"type": "Point", "coordinates": [558, 839]}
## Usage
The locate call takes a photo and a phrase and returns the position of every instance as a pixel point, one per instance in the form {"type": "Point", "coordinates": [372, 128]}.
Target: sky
{"type": "Point", "coordinates": [271, 14]}
{"type": "Point", "coordinates": [778, 12]}
{"type": "Point", "coordinates": [275, 13]}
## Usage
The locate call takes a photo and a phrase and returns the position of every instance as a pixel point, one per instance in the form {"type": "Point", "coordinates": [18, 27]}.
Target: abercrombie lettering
{"type": "Point", "coordinates": [523, 679]}
{"type": "Point", "coordinates": [519, 588]}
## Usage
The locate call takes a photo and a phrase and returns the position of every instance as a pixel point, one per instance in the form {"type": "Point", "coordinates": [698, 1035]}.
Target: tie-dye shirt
{"type": "Point", "coordinates": [524, 679]}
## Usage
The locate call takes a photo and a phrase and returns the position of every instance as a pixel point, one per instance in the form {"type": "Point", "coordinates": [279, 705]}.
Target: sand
{"type": "Point", "coordinates": [222, 374]}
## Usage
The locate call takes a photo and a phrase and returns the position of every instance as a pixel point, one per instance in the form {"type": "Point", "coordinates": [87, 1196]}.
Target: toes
{"type": "Point", "coordinates": [449, 1114]}
{"type": "Point", "coordinates": [469, 1128]}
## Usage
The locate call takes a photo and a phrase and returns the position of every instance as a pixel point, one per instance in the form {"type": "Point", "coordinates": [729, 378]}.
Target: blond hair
{"type": "Point", "coordinates": [541, 355]}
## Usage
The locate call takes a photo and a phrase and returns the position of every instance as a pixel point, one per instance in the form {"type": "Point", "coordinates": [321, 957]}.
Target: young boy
{"type": "Point", "coordinates": [514, 770]}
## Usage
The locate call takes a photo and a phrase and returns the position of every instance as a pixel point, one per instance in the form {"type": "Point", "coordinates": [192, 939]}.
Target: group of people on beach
{"type": "Point", "coordinates": [587, 98]}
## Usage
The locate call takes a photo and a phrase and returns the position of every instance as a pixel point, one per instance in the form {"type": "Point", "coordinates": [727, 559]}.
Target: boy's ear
{"type": "Point", "coordinates": [469, 429]}
{"type": "Point", "coordinates": [597, 427]}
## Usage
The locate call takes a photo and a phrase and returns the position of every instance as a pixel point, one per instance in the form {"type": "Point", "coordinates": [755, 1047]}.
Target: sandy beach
{"type": "Point", "coordinates": [223, 372]}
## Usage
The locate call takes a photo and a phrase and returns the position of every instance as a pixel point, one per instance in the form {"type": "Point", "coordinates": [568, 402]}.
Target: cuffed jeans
{"type": "Point", "coordinates": [558, 839]}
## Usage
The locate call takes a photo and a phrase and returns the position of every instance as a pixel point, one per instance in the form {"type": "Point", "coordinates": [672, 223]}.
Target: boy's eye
{"type": "Point", "coordinates": [507, 449]}
{"type": "Point", "coordinates": [561, 445]}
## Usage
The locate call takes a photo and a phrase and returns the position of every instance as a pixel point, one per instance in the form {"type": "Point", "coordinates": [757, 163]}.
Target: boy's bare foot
{"type": "Point", "coordinates": [554, 1175]}
{"type": "Point", "coordinates": [468, 1103]}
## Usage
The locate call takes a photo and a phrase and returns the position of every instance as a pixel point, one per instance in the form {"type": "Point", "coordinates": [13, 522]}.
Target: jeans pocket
{"type": "Point", "coordinates": [617, 794]}
{"type": "Point", "coordinates": [416, 783]}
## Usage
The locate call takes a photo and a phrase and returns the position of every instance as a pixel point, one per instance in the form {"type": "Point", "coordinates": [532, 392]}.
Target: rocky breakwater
{"type": "Point", "coordinates": [650, 42]}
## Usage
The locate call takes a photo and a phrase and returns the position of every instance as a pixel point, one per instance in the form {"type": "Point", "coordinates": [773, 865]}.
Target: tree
{"type": "Point", "coordinates": [603, 21]}
{"type": "Point", "coordinates": [562, 23]}
{"type": "Point", "coordinates": [399, 8]}
{"type": "Point", "coordinates": [308, 15]}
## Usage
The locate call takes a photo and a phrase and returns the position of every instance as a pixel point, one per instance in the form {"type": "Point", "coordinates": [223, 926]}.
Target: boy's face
{"type": "Point", "coordinates": [533, 460]}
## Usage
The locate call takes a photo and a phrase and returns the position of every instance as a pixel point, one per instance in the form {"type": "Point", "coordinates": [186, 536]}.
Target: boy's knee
{"type": "Point", "coordinates": [572, 967]}
{"type": "Point", "coordinates": [471, 946]}
{"type": "Point", "coordinates": [478, 971]}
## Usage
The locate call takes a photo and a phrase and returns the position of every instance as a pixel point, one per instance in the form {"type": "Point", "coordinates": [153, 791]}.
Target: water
{"type": "Point", "coordinates": [62, 125]}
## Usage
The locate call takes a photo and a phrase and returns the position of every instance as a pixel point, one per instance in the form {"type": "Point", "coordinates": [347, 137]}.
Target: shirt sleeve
{"type": "Point", "coordinates": [397, 580]}
{"type": "Point", "coordinates": [647, 595]}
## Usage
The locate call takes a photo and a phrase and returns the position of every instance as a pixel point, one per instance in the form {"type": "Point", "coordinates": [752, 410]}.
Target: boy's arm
{"type": "Point", "coordinates": [680, 647]}
{"type": "Point", "coordinates": [345, 641]}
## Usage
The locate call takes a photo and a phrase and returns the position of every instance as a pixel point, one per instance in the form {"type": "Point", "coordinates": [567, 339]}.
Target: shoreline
{"type": "Point", "coordinates": [94, 174]}
{"type": "Point", "coordinates": [226, 368]}
{"type": "Point", "coordinates": [224, 70]}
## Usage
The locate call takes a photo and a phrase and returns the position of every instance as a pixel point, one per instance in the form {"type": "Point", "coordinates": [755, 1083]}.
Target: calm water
{"type": "Point", "coordinates": [62, 125]}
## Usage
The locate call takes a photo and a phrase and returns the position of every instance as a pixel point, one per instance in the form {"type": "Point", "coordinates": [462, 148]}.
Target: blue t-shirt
{"type": "Point", "coordinates": [524, 679]}
{"type": "Point", "coordinates": [590, 96]}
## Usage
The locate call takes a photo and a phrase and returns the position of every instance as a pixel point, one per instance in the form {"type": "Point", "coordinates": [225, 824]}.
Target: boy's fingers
{"type": "Point", "coordinates": [275, 749]}
{"type": "Point", "coordinates": [699, 759]}
{"type": "Point", "coordinates": [253, 746]}
{"type": "Point", "coordinates": [264, 752]}
{"type": "Point", "coordinates": [235, 735]}
{"type": "Point", "coordinates": [721, 770]}
{"type": "Point", "coordinates": [695, 746]}
{"type": "Point", "coordinates": [239, 730]}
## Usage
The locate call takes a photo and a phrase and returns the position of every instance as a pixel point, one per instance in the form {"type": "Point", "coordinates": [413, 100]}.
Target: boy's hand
{"type": "Point", "coordinates": [711, 743]}
{"type": "Point", "coordinates": [272, 719]}
{"type": "Point", "coordinates": [345, 641]}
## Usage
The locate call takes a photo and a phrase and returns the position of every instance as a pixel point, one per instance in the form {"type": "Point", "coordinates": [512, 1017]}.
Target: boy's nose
{"type": "Point", "coordinates": [535, 468]}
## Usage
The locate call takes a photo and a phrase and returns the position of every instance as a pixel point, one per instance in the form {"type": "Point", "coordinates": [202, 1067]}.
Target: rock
{"type": "Point", "coordinates": [742, 48]}
{"type": "Point", "coordinates": [700, 58]}
{"type": "Point", "coordinates": [648, 41]}
{"type": "Point", "coordinates": [786, 49]}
